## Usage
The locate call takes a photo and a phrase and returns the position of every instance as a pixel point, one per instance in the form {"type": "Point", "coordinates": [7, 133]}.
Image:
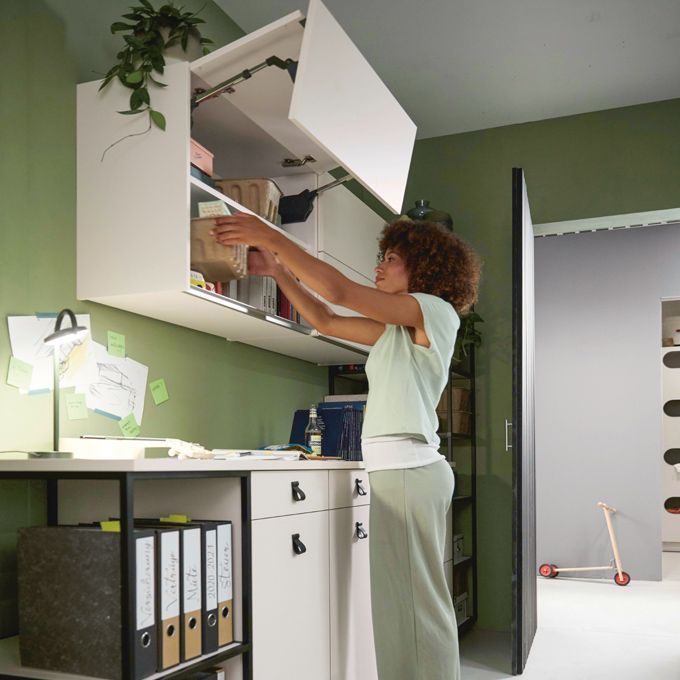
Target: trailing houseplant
{"type": "Point", "coordinates": [148, 34]}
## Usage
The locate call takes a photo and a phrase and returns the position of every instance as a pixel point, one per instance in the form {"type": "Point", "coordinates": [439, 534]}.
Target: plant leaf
{"type": "Point", "coordinates": [134, 77]}
{"type": "Point", "coordinates": [120, 26]}
{"type": "Point", "coordinates": [158, 119]}
{"type": "Point", "coordinates": [147, 4]}
{"type": "Point", "coordinates": [132, 113]}
{"type": "Point", "coordinates": [138, 98]}
{"type": "Point", "coordinates": [157, 82]}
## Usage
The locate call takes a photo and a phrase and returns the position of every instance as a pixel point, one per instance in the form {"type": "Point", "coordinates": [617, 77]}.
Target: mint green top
{"type": "Point", "coordinates": [406, 380]}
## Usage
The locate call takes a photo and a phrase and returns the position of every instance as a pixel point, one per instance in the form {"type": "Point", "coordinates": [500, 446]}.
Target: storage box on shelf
{"type": "Point", "coordinates": [251, 131]}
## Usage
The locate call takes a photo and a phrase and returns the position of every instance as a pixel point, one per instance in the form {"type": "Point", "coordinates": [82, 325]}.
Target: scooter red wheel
{"type": "Point", "coordinates": [624, 580]}
{"type": "Point", "coordinates": [548, 570]}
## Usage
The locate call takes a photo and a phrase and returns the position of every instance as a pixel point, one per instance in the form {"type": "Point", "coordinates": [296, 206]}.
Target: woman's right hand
{"type": "Point", "coordinates": [262, 263]}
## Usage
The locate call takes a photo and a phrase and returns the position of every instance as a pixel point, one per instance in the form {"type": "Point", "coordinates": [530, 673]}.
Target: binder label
{"type": "Point", "coordinates": [211, 569]}
{"type": "Point", "coordinates": [145, 552]}
{"type": "Point", "coordinates": [224, 584]}
{"type": "Point", "coordinates": [192, 570]}
{"type": "Point", "coordinates": [170, 574]}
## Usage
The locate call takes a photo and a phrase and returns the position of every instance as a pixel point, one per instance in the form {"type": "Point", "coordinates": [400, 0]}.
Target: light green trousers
{"type": "Point", "coordinates": [414, 624]}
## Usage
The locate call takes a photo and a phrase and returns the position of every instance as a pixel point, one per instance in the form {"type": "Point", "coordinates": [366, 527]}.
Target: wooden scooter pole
{"type": "Point", "coordinates": [615, 546]}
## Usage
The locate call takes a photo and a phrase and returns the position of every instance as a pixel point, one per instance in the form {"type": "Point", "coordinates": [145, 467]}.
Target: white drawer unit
{"type": "Point", "coordinates": [352, 648]}
{"type": "Point", "coordinates": [291, 597]}
{"type": "Point", "coordinates": [348, 488]}
{"type": "Point", "coordinates": [288, 492]}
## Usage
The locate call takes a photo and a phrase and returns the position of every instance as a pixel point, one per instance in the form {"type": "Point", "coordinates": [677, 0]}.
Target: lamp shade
{"type": "Point", "coordinates": [62, 335]}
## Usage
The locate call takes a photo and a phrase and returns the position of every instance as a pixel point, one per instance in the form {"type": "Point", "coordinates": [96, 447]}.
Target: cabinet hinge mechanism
{"type": "Point", "coordinates": [297, 162]}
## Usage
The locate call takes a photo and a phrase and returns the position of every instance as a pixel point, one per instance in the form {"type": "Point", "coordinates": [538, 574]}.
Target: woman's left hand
{"type": "Point", "coordinates": [242, 228]}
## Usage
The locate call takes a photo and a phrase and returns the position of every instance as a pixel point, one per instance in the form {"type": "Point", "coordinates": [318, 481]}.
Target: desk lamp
{"type": "Point", "coordinates": [60, 337]}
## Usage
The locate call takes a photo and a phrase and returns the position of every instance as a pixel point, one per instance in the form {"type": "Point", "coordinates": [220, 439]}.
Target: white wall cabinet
{"type": "Point", "coordinates": [135, 202]}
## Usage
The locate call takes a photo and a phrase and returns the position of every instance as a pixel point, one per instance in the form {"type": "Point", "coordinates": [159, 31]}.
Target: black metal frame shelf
{"type": "Point", "coordinates": [126, 483]}
{"type": "Point", "coordinates": [457, 372]}
{"type": "Point", "coordinates": [467, 560]}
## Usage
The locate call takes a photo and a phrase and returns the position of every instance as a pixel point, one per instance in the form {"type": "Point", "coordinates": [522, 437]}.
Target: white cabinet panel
{"type": "Point", "coordinates": [340, 102]}
{"type": "Point", "coordinates": [351, 274]}
{"type": "Point", "coordinates": [291, 598]}
{"type": "Point", "coordinates": [348, 488]}
{"type": "Point", "coordinates": [288, 492]}
{"type": "Point", "coordinates": [352, 647]}
{"type": "Point", "coordinates": [349, 230]}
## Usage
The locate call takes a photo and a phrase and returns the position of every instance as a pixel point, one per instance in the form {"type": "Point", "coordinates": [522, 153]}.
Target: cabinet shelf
{"type": "Point", "coordinates": [466, 561]}
{"type": "Point", "coordinates": [200, 191]}
{"type": "Point", "coordinates": [465, 625]}
{"type": "Point", "coordinates": [10, 664]}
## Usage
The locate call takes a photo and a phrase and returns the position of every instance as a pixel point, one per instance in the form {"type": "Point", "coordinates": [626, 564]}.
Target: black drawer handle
{"type": "Point", "coordinates": [360, 489]}
{"type": "Point", "coordinates": [298, 546]}
{"type": "Point", "coordinates": [361, 532]}
{"type": "Point", "coordinates": [298, 493]}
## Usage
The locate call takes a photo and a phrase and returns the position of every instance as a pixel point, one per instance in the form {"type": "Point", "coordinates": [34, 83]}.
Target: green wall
{"type": "Point", "coordinates": [617, 161]}
{"type": "Point", "coordinates": [222, 394]}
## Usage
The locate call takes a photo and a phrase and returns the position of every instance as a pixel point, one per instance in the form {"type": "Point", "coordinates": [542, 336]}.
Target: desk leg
{"type": "Point", "coordinates": [52, 502]}
{"type": "Point", "coordinates": [126, 484]}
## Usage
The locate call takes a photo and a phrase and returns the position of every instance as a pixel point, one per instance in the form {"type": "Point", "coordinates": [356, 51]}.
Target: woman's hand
{"type": "Point", "coordinates": [242, 228]}
{"type": "Point", "coordinates": [262, 263]}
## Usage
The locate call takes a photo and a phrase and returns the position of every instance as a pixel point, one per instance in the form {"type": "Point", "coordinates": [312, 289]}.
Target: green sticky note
{"type": "Point", "coordinates": [176, 519]}
{"type": "Point", "coordinates": [159, 391]}
{"type": "Point", "coordinates": [128, 426]}
{"type": "Point", "coordinates": [76, 406]}
{"type": "Point", "coordinates": [116, 344]}
{"type": "Point", "coordinates": [19, 373]}
{"type": "Point", "coordinates": [110, 525]}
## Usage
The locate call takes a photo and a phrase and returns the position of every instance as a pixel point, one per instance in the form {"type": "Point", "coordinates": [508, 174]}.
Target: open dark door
{"type": "Point", "coordinates": [523, 479]}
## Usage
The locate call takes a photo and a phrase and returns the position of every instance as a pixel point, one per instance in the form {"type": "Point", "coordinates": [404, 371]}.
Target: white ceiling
{"type": "Point", "coordinates": [460, 65]}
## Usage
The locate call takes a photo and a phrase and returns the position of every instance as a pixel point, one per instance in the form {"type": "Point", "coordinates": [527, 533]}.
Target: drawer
{"type": "Point", "coordinates": [346, 486]}
{"type": "Point", "coordinates": [289, 492]}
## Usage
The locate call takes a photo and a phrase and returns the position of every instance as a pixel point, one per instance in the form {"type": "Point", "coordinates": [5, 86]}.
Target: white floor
{"type": "Point", "coordinates": [592, 630]}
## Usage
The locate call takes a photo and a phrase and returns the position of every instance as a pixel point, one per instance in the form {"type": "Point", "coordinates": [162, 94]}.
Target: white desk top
{"type": "Point", "coordinates": [167, 465]}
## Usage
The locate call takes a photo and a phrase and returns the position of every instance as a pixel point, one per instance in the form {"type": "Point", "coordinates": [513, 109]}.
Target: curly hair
{"type": "Point", "coordinates": [438, 262]}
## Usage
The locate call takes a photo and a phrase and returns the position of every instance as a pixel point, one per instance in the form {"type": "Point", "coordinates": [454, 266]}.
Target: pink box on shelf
{"type": "Point", "coordinates": [201, 157]}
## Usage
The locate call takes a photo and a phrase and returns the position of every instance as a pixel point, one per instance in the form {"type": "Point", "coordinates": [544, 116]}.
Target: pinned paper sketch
{"type": "Point", "coordinates": [119, 385]}
{"type": "Point", "coordinates": [76, 363]}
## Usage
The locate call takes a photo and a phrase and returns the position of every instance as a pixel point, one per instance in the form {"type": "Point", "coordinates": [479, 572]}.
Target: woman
{"type": "Point", "coordinates": [424, 278]}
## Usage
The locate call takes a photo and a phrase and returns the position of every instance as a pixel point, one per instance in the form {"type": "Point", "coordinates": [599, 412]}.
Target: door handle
{"type": "Point", "coordinates": [298, 546]}
{"type": "Point", "coordinates": [508, 425]}
{"type": "Point", "coordinates": [298, 493]}
{"type": "Point", "coordinates": [361, 532]}
{"type": "Point", "coordinates": [359, 488]}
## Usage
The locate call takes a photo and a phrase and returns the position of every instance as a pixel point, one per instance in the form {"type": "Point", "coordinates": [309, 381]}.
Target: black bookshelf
{"type": "Point", "coordinates": [460, 449]}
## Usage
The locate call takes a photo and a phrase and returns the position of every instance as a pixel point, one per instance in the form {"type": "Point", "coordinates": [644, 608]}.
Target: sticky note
{"type": "Point", "coordinates": [159, 391]}
{"type": "Point", "coordinates": [76, 406]}
{"type": "Point", "coordinates": [19, 373]}
{"type": "Point", "coordinates": [128, 426]}
{"type": "Point", "coordinates": [110, 525]}
{"type": "Point", "coordinates": [176, 519]}
{"type": "Point", "coordinates": [115, 344]}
